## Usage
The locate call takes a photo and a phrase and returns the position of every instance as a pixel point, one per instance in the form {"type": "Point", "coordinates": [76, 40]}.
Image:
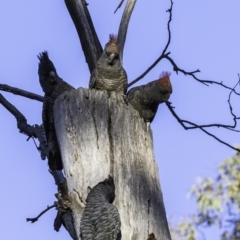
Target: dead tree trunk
{"type": "Point", "coordinates": [101, 135]}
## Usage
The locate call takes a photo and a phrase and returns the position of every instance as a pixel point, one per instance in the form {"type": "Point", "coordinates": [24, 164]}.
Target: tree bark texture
{"type": "Point", "coordinates": [86, 32]}
{"type": "Point", "coordinates": [101, 135]}
{"type": "Point", "coordinates": [123, 27]}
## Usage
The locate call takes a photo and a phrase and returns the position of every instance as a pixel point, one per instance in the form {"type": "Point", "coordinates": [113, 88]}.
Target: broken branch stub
{"type": "Point", "coordinates": [100, 135]}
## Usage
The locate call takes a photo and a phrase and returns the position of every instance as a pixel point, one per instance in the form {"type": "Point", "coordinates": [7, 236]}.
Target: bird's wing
{"type": "Point", "coordinates": [86, 227]}
{"type": "Point", "coordinates": [109, 223]}
{"type": "Point", "coordinates": [57, 222]}
{"type": "Point", "coordinates": [45, 116]}
{"type": "Point", "coordinates": [65, 86]}
{"type": "Point", "coordinates": [68, 223]}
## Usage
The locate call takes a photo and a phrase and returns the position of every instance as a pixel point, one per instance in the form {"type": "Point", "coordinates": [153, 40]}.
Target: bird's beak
{"type": "Point", "coordinates": [111, 58]}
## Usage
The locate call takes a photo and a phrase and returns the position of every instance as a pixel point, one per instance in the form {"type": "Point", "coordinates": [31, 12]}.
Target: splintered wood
{"type": "Point", "coordinates": [100, 135]}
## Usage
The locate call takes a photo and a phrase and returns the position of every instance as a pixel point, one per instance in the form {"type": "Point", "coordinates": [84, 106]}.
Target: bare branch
{"type": "Point", "coordinates": [166, 55]}
{"type": "Point", "coordinates": [21, 120]}
{"type": "Point", "coordinates": [31, 131]}
{"type": "Point", "coordinates": [86, 32]}
{"type": "Point", "coordinates": [218, 125]}
{"type": "Point", "coordinates": [122, 31]}
{"type": "Point", "coordinates": [201, 127]}
{"type": "Point", "coordinates": [168, 27]}
{"type": "Point", "coordinates": [18, 91]}
{"type": "Point", "coordinates": [147, 71]}
{"type": "Point", "coordinates": [119, 5]}
{"type": "Point", "coordinates": [163, 55]}
{"type": "Point", "coordinates": [205, 82]}
{"type": "Point", "coordinates": [33, 220]}
{"type": "Point", "coordinates": [36, 132]}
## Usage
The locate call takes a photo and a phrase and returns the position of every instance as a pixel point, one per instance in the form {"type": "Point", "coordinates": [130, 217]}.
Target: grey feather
{"type": "Point", "coordinates": [65, 218]}
{"type": "Point", "coordinates": [52, 86]}
{"type": "Point", "coordinates": [146, 98]}
{"type": "Point", "coordinates": [109, 73]}
{"type": "Point", "coordinates": [101, 219]}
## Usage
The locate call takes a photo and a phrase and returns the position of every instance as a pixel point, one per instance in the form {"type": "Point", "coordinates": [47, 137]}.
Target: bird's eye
{"type": "Point", "coordinates": [52, 74]}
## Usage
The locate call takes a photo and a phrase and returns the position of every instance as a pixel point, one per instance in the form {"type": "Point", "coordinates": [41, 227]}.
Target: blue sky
{"type": "Point", "coordinates": [205, 36]}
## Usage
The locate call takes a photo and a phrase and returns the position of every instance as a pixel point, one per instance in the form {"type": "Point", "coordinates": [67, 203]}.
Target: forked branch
{"type": "Point", "coordinates": [38, 132]}
{"type": "Point", "coordinates": [166, 55]}
{"type": "Point", "coordinates": [21, 120]}
{"type": "Point", "coordinates": [191, 125]}
{"type": "Point", "coordinates": [35, 131]}
{"type": "Point", "coordinates": [88, 37]}
{"type": "Point", "coordinates": [35, 219]}
{"type": "Point", "coordinates": [86, 32]}
{"type": "Point", "coordinates": [192, 73]}
{"type": "Point", "coordinates": [163, 54]}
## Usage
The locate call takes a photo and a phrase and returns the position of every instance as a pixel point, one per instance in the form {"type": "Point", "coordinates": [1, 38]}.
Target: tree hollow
{"type": "Point", "coordinates": [100, 135]}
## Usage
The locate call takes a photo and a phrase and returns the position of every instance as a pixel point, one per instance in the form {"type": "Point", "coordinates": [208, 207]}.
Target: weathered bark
{"type": "Point", "coordinates": [86, 32]}
{"type": "Point", "coordinates": [99, 136]}
{"type": "Point", "coordinates": [123, 27]}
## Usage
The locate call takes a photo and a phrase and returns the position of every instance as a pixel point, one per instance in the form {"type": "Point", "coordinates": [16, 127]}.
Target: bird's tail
{"type": "Point", "coordinates": [45, 65]}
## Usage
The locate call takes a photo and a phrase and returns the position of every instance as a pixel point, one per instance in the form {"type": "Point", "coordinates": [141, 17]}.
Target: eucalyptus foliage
{"type": "Point", "coordinates": [218, 204]}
